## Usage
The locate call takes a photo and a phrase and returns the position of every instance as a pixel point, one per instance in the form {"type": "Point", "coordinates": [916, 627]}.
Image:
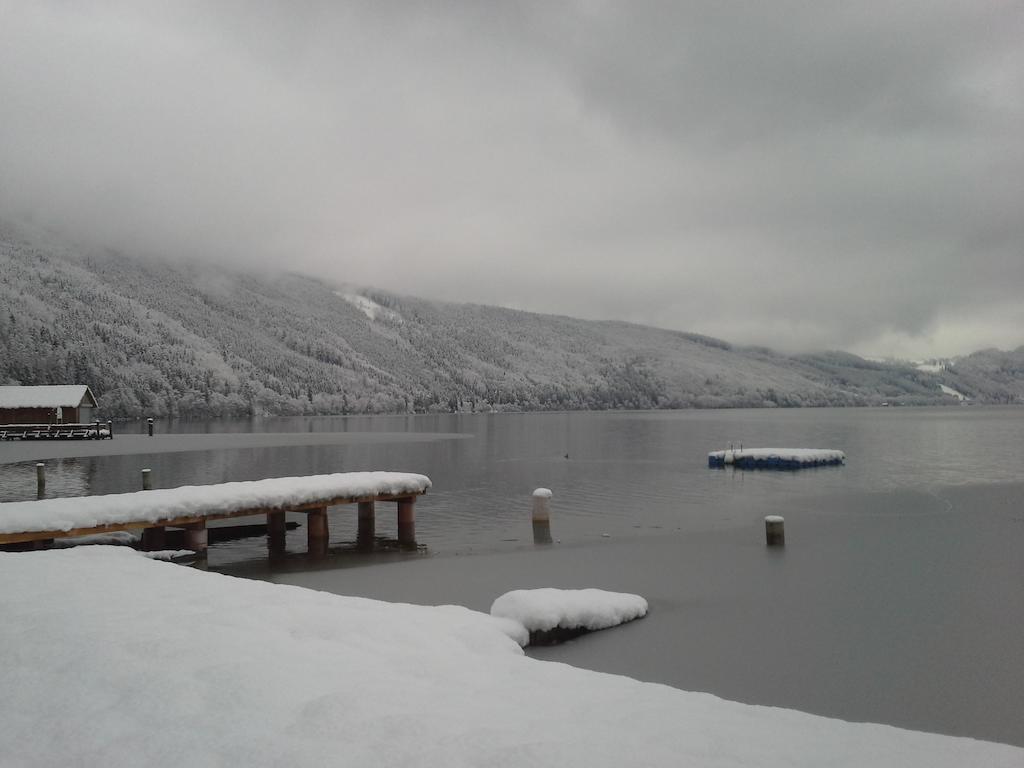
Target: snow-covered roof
{"type": "Point", "coordinates": [57, 396]}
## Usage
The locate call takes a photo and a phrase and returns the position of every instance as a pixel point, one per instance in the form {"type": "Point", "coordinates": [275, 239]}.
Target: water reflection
{"type": "Point", "coordinates": [625, 474]}
{"type": "Point", "coordinates": [64, 477]}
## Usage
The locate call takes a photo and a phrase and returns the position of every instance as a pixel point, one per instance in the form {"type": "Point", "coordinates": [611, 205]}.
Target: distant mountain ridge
{"type": "Point", "coordinates": [188, 340]}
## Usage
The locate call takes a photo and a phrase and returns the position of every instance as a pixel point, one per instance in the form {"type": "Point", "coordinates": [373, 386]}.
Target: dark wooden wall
{"type": "Point", "coordinates": [36, 415]}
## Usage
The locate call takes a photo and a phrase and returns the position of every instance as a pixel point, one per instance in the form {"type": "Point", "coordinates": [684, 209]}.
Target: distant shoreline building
{"type": "Point", "coordinates": [58, 404]}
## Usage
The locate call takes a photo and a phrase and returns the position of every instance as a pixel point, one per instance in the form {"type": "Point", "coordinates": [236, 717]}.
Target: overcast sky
{"type": "Point", "coordinates": [799, 175]}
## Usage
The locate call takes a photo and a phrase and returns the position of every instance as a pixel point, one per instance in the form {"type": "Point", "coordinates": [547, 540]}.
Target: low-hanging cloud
{"type": "Point", "coordinates": [795, 175]}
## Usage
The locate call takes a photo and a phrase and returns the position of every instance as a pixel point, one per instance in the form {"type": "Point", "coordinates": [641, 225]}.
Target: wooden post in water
{"type": "Point", "coordinates": [317, 534]}
{"type": "Point", "coordinates": [774, 531]}
{"type": "Point", "coordinates": [149, 426]}
{"type": "Point", "coordinates": [276, 531]}
{"type": "Point", "coordinates": [40, 480]}
{"type": "Point", "coordinates": [541, 516]}
{"type": "Point", "coordinates": [367, 525]}
{"type": "Point", "coordinates": [407, 521]}
{"type": "Point", "coordinates": [110, 430]}
{"type": "Point", "coordinates": [147, 479]}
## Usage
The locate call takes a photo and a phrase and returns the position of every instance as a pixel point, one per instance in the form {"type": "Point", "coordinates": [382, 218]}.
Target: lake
{"type": "Point", "coordinates": [899, 597]}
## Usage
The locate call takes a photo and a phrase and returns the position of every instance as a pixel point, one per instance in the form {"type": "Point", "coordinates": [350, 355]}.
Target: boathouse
{"type": "Point", "coordinates": [59, 404]}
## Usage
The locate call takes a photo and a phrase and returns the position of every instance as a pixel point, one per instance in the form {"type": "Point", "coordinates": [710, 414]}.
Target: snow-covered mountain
{"type": "Point", "coordinates": [163, 339]}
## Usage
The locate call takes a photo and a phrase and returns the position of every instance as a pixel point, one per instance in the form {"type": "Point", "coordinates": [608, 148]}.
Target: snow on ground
{"type": "Point", "coordinates": [370, 308]}
{"type": "Point", "coordinates": [952, 392]}
{"type": "Point", "coordinates": [152, 506]}
{"type": "Point", "coordinates": [539, 610]}
{"type": "Point", "coordinates": [109, 659]}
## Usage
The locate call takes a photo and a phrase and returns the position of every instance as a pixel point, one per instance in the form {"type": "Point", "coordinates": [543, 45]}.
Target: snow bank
{"type": "Point", "coordinates": [540, 610]}
{"type": "Point", "coordinates": [193, 500]}
{"type": "Point", "coordinates": [110, 659]}
{"type": "Point", "coordinates": [775, 458]}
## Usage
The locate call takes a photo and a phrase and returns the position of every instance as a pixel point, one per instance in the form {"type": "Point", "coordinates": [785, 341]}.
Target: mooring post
{"type": "Point", "coordinates": [40, 480]}
{"type": "Point", "coordinates": [276, 532]}
{"type": "Point", "coordinates": [147, 479]}
{"type": "Point", "coordinates": [149, 425]}
{"type": "Point", "coordinates": [407, 520]}
{"type": "Point", "coordinates": [541, 516]}
{"type": "Point", "coordinates": [317, 534]}
{"type": "Point", "coordinates": [774, 531]}
{"type": "Point", "coordinates": [367, 524]}
{"type": "Point", "coordinates": [110, 430]}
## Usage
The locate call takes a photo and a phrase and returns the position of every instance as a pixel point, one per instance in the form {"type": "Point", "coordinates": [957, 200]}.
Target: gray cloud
{"type": "Point", "coordinates": [788, 174]}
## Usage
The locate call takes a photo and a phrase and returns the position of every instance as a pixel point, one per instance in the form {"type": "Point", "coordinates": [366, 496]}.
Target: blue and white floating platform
{"type": "Point", "coordinates": [776, 458]}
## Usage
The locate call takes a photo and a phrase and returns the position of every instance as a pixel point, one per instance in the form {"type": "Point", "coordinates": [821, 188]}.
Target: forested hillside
{"type": "Point", "coordinates": [161, 339]}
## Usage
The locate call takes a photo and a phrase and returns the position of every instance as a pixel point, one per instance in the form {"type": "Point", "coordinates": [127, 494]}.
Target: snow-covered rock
{"type": "Point", "coordinates": [541, 610]}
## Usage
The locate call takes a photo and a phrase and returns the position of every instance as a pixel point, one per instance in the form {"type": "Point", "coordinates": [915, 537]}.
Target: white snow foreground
{"type": "Point", "coordinates": [66, 514]}
{"type": "Point", "coordinates": [110, 659]}
{"type": "Point", "coordinates": [541, 610]}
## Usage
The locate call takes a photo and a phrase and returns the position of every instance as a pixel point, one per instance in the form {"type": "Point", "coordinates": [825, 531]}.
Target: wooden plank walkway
{"type": "Point", "coordinates": [92, 431]}
{"type": "Point", "coordinates": [37, 523]}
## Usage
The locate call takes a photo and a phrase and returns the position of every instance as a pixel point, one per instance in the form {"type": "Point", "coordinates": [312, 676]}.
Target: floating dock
{"type": "Point", "coordinates": [775, 458]}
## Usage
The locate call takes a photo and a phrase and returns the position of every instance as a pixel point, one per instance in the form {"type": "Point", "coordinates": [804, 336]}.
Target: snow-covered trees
{"type": "Point", "coordinates": [159, 339]}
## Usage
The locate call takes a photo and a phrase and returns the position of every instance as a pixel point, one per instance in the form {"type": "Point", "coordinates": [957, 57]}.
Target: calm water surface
{"type": "Point", "coordinates": [899, 597]}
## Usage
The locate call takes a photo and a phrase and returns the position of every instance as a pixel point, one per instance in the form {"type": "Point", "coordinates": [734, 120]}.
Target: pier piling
{"type": "Point", "coordinates": [317, 533]}
{"type": "Point", "coordinates": [367, 524]}
{"type": "Point", "coordinates": [196, 537]}
{"type": "Point", "coordinates": [154, 539]}
{"type": "Point", "coordinates": [407, 521]}
{"type": "Point", "coordinates": [40, 480]}
{"type": "Point", "coordinates": [774, 530]}
{"type": "Point", "coordinates": [149, 426]}
{"type": "Point", "coordinates": [147, 479]}
{"type": "Point", "coordinates": [276, 532]}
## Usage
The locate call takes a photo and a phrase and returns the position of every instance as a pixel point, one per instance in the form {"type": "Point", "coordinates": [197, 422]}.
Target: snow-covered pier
{"type": "Point", "coordinates": [190, 507]}
{"type": "Point", "coordinates": [775, 458]}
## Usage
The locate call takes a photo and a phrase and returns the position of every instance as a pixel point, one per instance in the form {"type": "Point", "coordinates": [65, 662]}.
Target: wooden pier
{"type": "Point", "coordinates": [94, 431]}
{"type": "Point", "coordinates": [35, 524]}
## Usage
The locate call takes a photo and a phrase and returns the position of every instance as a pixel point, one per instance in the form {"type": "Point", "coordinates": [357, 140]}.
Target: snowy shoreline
{"type": "Point", "coordinates": [112, 659]}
